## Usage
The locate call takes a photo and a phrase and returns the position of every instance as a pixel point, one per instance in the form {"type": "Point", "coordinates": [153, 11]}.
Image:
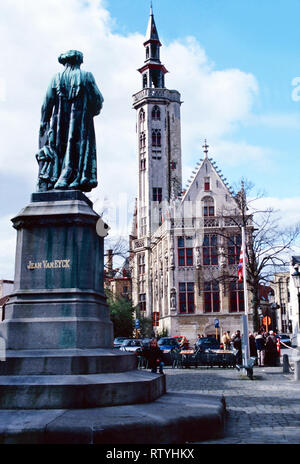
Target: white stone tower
{"type": "Point", "coordinates": [159, 163]}
{"type": "Point", "coordinates": [158, 137]}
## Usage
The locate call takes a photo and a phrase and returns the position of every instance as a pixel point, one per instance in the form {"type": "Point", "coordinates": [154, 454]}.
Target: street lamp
{"type": "Point", "coordinates": [296, 279]}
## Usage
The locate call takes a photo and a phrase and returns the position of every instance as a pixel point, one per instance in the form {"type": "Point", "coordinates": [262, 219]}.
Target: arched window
{"type": "Point", "coordinates": [142, 140]}
{"type": "Point", "coordinates": [156, 138]}
{"type": "Point", "coordinates": [145, 81]}
{"type": "Point", "coordinates": [142, 119]}
{"type": "Point", "coordinates": [208, 206]}
{"type": "Point", "coordinates": [156, 113]}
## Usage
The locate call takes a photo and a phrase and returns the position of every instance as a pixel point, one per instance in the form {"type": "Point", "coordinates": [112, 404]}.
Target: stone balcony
{"type": "Point", "coordinates": [171, 95]}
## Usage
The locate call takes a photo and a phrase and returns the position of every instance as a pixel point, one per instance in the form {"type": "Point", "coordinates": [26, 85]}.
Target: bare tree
{"type": "Point", "coordinates": [269, 244]}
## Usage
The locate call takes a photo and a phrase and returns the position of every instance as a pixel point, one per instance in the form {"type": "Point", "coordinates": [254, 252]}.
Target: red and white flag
{"type": "Point", "coordinates": [241, 264]}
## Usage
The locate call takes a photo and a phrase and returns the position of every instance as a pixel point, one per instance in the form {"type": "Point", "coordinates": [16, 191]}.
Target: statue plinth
{"type": "Point", "coordinates": [57, 330]}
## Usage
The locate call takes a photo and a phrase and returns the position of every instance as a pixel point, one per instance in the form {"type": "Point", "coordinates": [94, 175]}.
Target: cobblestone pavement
{"type": "Point", "coordinates": [263, 410]}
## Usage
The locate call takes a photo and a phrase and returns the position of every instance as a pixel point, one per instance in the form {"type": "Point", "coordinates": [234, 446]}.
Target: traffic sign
{"type": "Point", "coordinates": [137, 324]}
{"type": "Point", "coordinates": [217, 324]}
{"type": "Point", "coordinates": [266, 320]}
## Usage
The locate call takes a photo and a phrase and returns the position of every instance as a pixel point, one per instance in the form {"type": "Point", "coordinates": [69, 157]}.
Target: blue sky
{"type": "Point", "coordinates": [233, 61]}
{"type": "Point", "coordinates": [261, 37]}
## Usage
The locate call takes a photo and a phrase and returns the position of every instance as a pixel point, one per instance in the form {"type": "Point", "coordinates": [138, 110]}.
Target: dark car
{"type": "Point", "coordinates": [207, 343]}
{"type": "Point", "coordinates": [167, 344]}
{"type": "Point", "coordinates": [284, 339]}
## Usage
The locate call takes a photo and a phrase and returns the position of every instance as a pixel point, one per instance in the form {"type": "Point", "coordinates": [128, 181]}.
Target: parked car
{"type": "Point", "coordinates": [286, 339]}
{"type": "Point", "coordinates": [118, 341]}
{"type": "Point", "coordinates": [132, 345]}
{"type": "Point", "coordinates": [167, 344]}
{"type": "Point", "coordinates": [207, 343]}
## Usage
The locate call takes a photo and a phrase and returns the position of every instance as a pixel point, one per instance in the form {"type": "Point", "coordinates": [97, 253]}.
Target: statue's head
{"type": "Point", "coordinates": [72, 57]}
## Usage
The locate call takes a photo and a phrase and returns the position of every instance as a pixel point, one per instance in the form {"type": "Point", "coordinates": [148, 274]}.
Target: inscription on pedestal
{"type": "Point", "coordinates": [45, 264]}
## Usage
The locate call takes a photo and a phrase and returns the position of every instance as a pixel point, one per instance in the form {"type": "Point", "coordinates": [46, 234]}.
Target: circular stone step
{"type": "Point", "coordinates": [67, 362]}
{"type": "Point", "coordinates": [79, 391]}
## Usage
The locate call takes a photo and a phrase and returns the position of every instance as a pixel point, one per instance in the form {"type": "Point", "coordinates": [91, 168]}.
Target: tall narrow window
{"type": "Point", "coordinates": [141, 264]}
{"type": "Point", "coordinates": [143, 226]}
{"type": "Point", "coordinates": [142, 301]}
{"type": "Point", "coordinates": [186, 297]}
{"type": "Point", "coordinates": [142, 120]}
{"type": "Point", "coordinates": [234, 248]}
{"type": "Point", "coordinates": [211, 297]}
{"type": "Point", "coordinates": [185, 251]}
{"type": "Point", "coordinates": [156, 113]}
{"type": "Point", "coordinates": [143, 164]}
{"type": "Point", "coordinates": [208, 206]}
{"type": "Point", "coordinates": [206, 184]}
{"type": "Point", "coordinates": [236, 297]}
{"type": "Point", "coordinates": [145, 81]}
{"type": "Point", "coordinates": [156, 138]}
{"type": "Point", "coordinates": [210, 249]}
{"type": "Point", "coordinates": [157, 194]}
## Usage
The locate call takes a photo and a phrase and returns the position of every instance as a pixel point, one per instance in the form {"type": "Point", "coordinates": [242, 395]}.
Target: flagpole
{"type": "Point", "coordinates": [245, 315]}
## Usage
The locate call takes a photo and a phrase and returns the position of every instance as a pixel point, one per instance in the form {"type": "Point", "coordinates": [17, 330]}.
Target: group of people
{"type": "Point", "coordinates": [262, 345]}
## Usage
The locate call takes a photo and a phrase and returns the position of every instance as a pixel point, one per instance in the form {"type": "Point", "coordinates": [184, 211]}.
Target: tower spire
{"type": "Point", "coordinates": [153, 71]}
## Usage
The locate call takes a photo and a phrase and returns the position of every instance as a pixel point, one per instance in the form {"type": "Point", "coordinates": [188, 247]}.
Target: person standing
{"type": "Point", "coordinates": [271, 349]}
{"type": "Point", "coordinates": [260, 343]}
{"type": "Point", "coordinates": [237, 344]}
{"type": "Point", "coordinates": [252, 345]}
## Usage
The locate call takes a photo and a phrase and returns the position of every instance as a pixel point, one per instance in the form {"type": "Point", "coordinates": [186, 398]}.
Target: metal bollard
{"type": "Point", "coordinates": [297, 370]}
{"type": "Point", "coordinates": [285, 364]}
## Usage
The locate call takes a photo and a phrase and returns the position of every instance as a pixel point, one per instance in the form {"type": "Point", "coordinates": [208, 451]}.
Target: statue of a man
{"type": "Point", "coordinates": [72, 100]}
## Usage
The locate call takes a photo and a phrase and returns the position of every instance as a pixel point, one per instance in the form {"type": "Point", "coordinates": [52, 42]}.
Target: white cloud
{"type": "Point", "coordinates": [286, 209]}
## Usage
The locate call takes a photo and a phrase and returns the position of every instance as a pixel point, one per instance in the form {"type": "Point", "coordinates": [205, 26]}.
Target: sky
{"type": "Point", "coordinates": [235, 63]}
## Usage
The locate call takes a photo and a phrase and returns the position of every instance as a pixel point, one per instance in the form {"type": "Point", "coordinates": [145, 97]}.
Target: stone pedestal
{"type": "Point", "coordinates": [57, 330]}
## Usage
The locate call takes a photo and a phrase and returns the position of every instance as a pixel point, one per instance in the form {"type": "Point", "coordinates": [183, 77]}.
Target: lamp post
{"type": "Point", "coordinates": [296, 279]}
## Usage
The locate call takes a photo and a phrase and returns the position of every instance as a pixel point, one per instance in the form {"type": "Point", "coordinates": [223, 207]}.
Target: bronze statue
{"type": "Point", "coordinates": [67, 156]}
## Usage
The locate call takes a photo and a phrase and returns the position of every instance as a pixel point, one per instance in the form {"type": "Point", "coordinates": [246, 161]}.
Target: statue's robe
{"type": "Point", "coordinates": [71, 102]}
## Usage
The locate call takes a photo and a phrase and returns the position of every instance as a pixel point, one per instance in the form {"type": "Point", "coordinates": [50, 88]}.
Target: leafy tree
{"type": "Point", "coordinates": [121, 314]}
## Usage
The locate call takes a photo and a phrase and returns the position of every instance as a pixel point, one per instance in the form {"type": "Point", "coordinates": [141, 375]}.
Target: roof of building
{"type": "Point", "coordinates": [4, 300]}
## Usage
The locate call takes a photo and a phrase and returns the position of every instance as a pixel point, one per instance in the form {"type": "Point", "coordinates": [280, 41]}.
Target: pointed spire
{"type": "Point", "coordinates": [151, 33]}
{"type": "Point", "coordinates": [205, 148]}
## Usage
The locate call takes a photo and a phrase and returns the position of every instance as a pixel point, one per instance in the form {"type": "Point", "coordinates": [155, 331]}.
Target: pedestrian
{"type": "Point", "coordinates": [226, 341]}
{"type": "Point", "coordinates": [271, 349]}
{"type": "Point", "coordinates": [154, 357]}
{"type": "Point", "coordinates": [252, 345]}
{"type": "Point", "coordinates": [260, 342]}
{"type": "Point", "coordinates": [237, 344]}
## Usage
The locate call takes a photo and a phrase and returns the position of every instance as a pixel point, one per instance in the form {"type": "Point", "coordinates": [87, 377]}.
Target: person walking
{"type": "Point", "coordinates": [260, 343]}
